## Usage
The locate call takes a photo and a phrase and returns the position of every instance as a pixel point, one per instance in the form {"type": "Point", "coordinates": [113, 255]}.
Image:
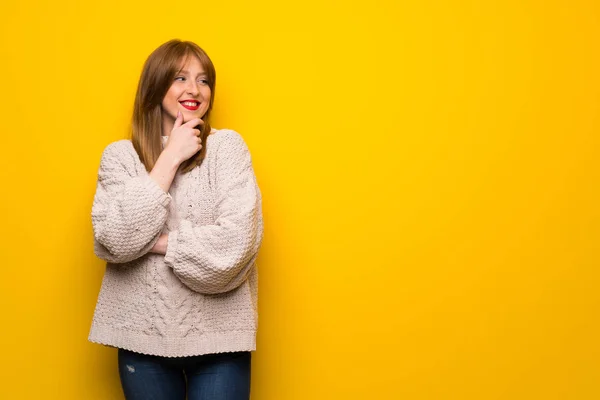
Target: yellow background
{"type": "Point", "coordinates": [430, 176]}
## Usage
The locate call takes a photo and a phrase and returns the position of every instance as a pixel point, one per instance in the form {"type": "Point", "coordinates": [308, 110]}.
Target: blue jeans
{"type": "Point", "coordinates": [223, 376]}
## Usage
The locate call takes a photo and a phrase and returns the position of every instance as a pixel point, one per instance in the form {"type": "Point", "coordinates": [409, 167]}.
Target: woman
{"type": "Point", "coordinates": [177, 216]}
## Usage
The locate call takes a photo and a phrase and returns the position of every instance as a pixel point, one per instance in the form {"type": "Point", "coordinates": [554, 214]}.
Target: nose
{"type": "Point", "coordinates": [192, 87]}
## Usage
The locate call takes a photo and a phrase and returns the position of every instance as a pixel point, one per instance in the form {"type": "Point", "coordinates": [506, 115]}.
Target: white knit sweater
{"type": "Point", "coordinates": [201, 297]}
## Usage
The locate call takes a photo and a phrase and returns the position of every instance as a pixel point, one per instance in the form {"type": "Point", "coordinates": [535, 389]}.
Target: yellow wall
{"type": "Point", "coordinates": [430, 173]}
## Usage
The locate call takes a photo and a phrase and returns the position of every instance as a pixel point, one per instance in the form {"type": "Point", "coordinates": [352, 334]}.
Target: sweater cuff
{"type": "Point", "coordinates": [173, 244]}
{"type": "Point", "coordinates": [163, 198]}
{"type": "Point", "coordinates": [171, 248]}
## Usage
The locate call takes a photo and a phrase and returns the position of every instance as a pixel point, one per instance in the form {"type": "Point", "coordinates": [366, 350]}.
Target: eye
{"type": "Point", "coordinates": [180, 78]}
{"type": "Point", "coordinates": [204, 81]}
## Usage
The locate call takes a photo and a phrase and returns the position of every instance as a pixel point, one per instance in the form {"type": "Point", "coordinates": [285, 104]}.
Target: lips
{"type": "Point", "coordinates": [191, 105]}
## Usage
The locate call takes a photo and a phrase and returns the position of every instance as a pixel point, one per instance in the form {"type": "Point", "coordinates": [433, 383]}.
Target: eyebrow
{"type": "Point", "coordinates": [186, 72]}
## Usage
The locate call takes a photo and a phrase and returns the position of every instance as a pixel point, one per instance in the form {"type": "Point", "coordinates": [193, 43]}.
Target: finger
{"type": "Point", "coordinates": [193, 122]}
{"type": "Point", "coordinates": [178, 120]}
{"type": "Point", "coordinates": [197, 132]}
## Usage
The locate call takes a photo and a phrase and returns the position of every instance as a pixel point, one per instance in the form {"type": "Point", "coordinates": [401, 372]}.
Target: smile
{"type": "Point", "coordinates": [190, 104]}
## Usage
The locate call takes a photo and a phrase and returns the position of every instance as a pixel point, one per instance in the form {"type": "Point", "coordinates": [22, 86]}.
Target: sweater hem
{"type": "Point", "coordinates": [204, 343]}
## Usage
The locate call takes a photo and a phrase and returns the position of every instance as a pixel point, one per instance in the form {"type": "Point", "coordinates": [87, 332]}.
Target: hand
{"type": "Point", "coordinates": [161, 245]}
{"type": "Point", "coordinates": [185, 140]}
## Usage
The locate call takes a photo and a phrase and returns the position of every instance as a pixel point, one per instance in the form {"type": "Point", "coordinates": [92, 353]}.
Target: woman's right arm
{"type": "Point", "coordinates": [129, 211]}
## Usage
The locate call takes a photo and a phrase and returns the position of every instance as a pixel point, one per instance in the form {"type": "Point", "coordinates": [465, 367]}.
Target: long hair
{"type": "Point", "coordinates": [158, 74]}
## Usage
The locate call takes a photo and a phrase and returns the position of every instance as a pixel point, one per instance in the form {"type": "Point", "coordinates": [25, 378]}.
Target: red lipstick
{"type": "Point", "coordinates": [190, 107]}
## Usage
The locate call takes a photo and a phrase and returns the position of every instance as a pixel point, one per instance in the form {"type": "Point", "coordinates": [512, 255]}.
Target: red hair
{"type": "Point", "coordinates": [158, 74]}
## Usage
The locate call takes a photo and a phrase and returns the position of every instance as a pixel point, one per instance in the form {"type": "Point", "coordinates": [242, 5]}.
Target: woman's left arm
{"type": "Point", "coordinates": [217, 258]}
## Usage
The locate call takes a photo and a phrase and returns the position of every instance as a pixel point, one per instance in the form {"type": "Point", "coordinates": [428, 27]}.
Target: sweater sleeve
{"type": "Point", "coordinates": [217, 258]}
{"type": "Point", "coordinates": [129, 210]}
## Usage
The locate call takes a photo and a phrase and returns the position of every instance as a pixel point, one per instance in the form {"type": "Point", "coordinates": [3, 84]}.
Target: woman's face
{"type": "Point", "coordinates": [189, 93]}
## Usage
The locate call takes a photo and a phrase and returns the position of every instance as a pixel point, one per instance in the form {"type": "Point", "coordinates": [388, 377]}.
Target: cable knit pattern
{"type": "Point", "coordinates": [201, 297]}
